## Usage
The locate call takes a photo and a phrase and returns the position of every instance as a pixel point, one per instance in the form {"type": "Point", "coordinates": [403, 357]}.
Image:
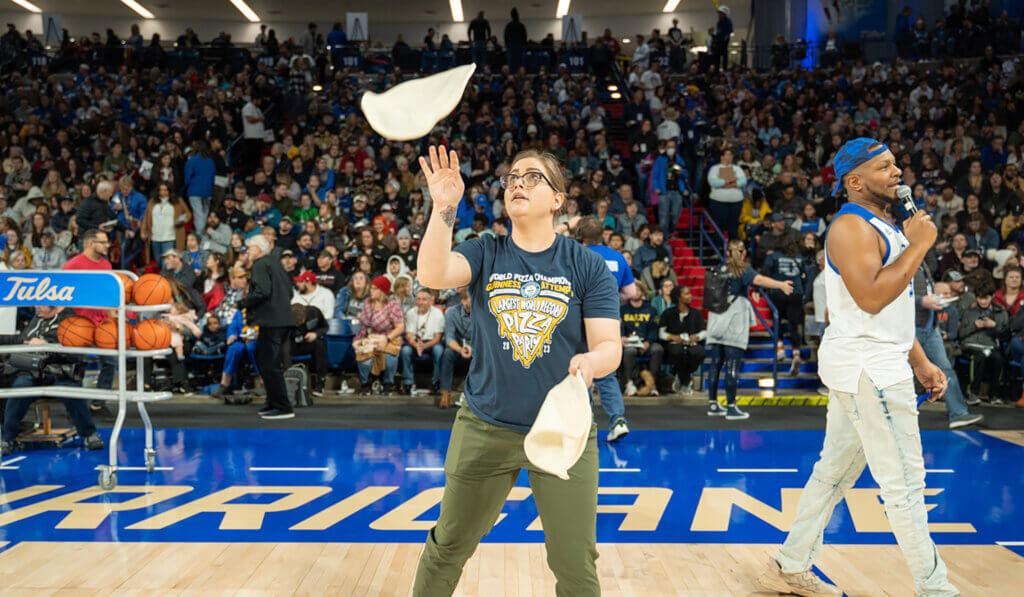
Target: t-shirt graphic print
{"type": "Point", "coordinates": [527, 316]}
{"type": "Point", "coordinates": [528, 308]}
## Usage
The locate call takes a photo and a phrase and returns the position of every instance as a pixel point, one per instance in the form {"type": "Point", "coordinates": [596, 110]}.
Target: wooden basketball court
{"type": "Point", "coordinates": [514, 570]}
{"type": "Point", "coordinates": [344, 512]}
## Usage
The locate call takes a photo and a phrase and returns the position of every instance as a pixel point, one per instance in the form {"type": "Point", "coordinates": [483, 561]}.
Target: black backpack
{"type": "Point", "coordinates": [716, 290]}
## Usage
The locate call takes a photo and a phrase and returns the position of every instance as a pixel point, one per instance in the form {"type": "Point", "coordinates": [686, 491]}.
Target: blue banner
{"type": "Point", "coordinates": [30, 288]}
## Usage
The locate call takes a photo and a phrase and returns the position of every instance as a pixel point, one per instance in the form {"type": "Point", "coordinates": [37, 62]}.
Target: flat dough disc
{"type": "Point", "coordinates": [410, 110]}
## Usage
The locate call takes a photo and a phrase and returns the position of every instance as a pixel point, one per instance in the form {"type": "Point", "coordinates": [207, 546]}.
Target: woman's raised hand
{"type": "Point", "coordinates": [443, 177]}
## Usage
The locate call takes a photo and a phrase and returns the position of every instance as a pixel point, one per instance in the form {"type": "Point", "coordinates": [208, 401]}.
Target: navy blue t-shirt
{"type": "Point", "coordinates": [738, 285]}
{"type": "Point", "coordinates": [528, 311]}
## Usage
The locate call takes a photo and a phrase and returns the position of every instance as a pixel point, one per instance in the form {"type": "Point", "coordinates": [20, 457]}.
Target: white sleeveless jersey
{"type": "Point", "coordinates": [856, 340]}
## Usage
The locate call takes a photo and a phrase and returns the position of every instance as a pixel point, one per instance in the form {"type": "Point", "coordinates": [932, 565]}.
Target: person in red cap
{"type": "Point", "coordinates": [312, 304]}
{"type": "Point", "coordinates": [308, 292]}
{"type": "Point", "coordinates": [380, 337]}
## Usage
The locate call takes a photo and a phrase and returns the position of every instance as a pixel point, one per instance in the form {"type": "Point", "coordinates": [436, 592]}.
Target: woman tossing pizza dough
{"type": "Point", "coordinates": [410, 110]}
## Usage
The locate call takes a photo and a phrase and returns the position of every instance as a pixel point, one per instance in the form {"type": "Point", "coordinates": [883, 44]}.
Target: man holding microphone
{"type": "Point", "coordinates": [868, 358]}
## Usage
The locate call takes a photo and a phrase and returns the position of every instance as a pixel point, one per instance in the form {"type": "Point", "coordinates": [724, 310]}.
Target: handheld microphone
{"type": "Point", "coordinates": [906, 197]}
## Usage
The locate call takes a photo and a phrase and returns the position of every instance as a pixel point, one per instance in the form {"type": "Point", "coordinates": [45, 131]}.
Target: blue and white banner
{"type": "Point", "coordinates": [31, 288]}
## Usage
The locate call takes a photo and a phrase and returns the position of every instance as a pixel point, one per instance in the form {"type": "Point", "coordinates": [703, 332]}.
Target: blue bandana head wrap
{"type": "Point", "coordinates": [853, 153]}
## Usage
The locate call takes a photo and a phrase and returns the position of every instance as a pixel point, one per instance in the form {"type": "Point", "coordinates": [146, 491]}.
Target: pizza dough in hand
{"type": "Point", "coordinates": [560, 432]}
{"type": "Point", "coordinates": [410, 110]}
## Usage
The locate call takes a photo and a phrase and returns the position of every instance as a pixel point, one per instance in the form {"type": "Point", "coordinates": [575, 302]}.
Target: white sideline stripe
{"type": "Point", "coordinates": [13, 460]}
{"type": "Point", "coordinates": [1010, 543]}
{"type": "Point", "coordinates": [140, 468]}
{"type": "Point", "coordinates": [939, 470]}
{"type": "Point", "coordinates": [758, 470]}
{"type": "Point", "coordinates": [295, 469]}
{"type": "Point", "coordinates": [618, 470]}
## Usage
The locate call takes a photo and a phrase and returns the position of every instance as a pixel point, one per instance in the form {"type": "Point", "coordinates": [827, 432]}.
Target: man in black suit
{"type": "Point", "coordinates": [268, 306]}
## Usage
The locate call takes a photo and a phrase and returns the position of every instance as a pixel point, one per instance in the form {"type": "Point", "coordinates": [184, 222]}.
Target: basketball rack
{"type": "Point", "coordinates": [95, 290]}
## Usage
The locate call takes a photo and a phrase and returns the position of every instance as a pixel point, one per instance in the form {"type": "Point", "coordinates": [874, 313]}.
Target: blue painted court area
{"type": "Point", "coordinates": [234, 485]}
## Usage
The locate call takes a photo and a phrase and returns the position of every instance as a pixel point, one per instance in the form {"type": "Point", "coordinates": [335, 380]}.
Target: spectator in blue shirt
{"type": "Point", "coordinates": [458, 340]}
{"type": "Point", "coordinates": [130, 206]}
{"type": "Point", "coordinates": [591, 233]}
{"type": "Point", "coordinates": [266, 214]}
{"type": "Point", "coordinates": [653, 250]}
{"type": "Point", "coordinates": [993, 155]}
{"type": "Point", "coordinates": [133, 204]}
{"type": "Point", "coordinates": [336, 38]}
{"type": "Point", "coordinates": [199, 174]}
{"type": "Point", "coordinates": [668, 179]}
{"type": "Point", "coordinates": [980, 235]}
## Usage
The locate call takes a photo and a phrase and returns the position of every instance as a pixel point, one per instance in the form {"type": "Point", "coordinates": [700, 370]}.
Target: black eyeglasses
{"type": "Point", "coordinates": [530, 180]}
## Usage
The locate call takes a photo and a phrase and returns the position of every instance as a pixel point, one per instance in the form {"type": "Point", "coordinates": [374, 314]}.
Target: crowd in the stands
{"type": "Point", "coordinates": [180, 168]}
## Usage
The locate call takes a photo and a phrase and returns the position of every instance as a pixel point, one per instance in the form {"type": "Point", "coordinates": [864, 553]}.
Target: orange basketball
{"type": "Point", "coordinates": [76, 331]}
{"type": "Point", "coordinates": [151, 289]}
{"type": "Point", "coordinates": [127, 282]}
{"type": "Point", "coordinates": [106, 334]}
{"type": "Point", "coordinates": [152, 334]}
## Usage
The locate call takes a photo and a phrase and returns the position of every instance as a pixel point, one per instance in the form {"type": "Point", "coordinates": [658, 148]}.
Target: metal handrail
{"type": "Point", "coordinates": [773, 331]}
{"type": "Point", "coordinates": [703, 232]}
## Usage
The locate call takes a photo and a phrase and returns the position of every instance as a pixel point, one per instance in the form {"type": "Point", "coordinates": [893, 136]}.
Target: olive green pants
{"type": "Point", "coordinates": [481, 467]}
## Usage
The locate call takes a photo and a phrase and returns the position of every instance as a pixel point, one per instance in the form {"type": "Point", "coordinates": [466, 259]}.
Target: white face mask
{"type": "Point", "coordinates": [671, 151]}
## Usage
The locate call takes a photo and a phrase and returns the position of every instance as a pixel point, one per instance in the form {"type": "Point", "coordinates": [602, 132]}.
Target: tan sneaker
{"type": "Point", "coordinates": [807, 583]}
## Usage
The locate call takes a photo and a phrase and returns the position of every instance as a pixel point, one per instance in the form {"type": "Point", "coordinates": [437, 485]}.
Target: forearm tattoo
{"type": "Point", "coordinates": [448, 216]}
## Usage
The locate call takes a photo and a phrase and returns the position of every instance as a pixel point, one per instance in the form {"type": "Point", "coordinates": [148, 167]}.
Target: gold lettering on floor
{"type": "Point", "coordinates": [237, 517]}
{"type": "Point", "coordinates": [9, 497]}
{"type": "Point", "coordinates": [643, 514]}
{"type": "Point", "coordinates": [324, 520]}
{"type": "Point", "coordinates": [714, 511]}
{"type": "Point", "coordinates": [91, 515]}
{"type": "Point", "coordinates": [868, 513]}
{"type": "Point", "coordinates": [403, 518]}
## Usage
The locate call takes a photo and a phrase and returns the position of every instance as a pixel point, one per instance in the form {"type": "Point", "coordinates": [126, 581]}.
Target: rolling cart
{"type": "Point", "coordinates": [95, 290]}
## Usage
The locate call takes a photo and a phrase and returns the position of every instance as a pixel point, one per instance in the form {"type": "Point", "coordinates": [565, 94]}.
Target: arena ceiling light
{"type": "Point", "coordinates": [139, 9]}
{"type": "Point", "coordinates": [670, 6]}
{"type": "Point", "coordinates": [247, 12]}
{"type": "Point", "coordinates": [27, 6]}
{"type": "Point", "coordinates": [563, 9]}
{"type": "Point", "coordinates": [456, 6]}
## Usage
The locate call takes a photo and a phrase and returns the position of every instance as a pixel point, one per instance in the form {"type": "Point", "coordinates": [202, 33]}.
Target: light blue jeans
{"type": "Point", "coordinates": [669, 206]}
{"type": "Point", "coordinates": [935, 350]}
{"type": "Point", "coordinates": [200, 209]}
{"type": "Point", "coordinates": [611, 397]}
{"type": "Point", "coordinates": [877, 428]}
{"type": "Point", "coordinates": [366, 368]}
{"type": "Point", "coordinates": [408, 356]}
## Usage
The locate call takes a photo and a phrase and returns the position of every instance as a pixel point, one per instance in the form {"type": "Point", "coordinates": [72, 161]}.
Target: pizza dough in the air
{"type": "Point", "coordinates": [410, 110]}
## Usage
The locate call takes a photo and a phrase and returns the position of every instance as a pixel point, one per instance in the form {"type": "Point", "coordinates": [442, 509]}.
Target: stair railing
{"type": "Point", "coordinates": [773, 331]}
